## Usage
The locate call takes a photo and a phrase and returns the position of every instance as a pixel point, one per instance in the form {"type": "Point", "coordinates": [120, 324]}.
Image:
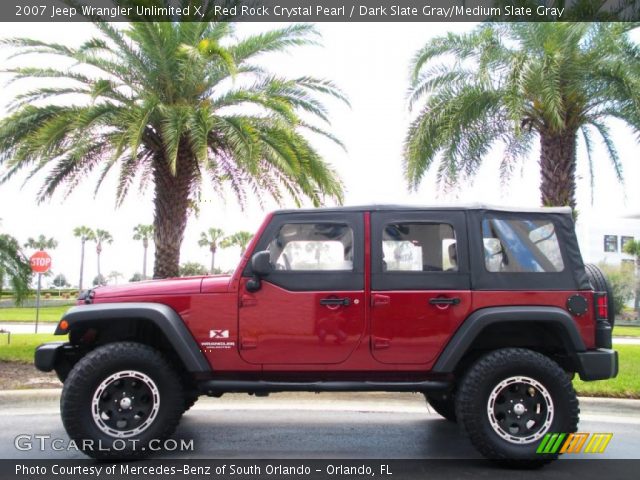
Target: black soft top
{"type": "Point", "coordinates": [460, 207]}
{"type": "Point", "coordinates": [572, 277]}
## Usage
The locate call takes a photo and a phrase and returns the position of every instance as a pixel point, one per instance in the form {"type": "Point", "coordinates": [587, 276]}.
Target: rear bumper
{"type": "Point", "coordinates": [47, 355]}
{"type": "Point", "coordinates": [598, 364]}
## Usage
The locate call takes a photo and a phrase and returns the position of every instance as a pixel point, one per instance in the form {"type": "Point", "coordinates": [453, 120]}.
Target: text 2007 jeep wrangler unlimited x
{"type": "Point", "coordinates": [488, 312]}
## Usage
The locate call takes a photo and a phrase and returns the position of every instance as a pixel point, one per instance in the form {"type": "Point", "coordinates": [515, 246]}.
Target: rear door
{"type": "Point", "coordinates": [310, 308]}
{"type": "Point", "coordinates": [420, 288]}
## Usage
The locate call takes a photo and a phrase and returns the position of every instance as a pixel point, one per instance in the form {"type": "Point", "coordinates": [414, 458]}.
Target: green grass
{"type": "Point", "coordinates": [625, 385]}
{"type": "Point", "coordinates": [627, 331]}
{"type": "Point", "coordinates": [28, 314]}
{"type": "Point", "coordinates": [23, 346]}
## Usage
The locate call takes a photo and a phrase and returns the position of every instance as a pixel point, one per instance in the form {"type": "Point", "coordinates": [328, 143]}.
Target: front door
{"type": "Point", "coordinates": [310, 308]}
{"type": "Point", "coordinates": [420, 290]}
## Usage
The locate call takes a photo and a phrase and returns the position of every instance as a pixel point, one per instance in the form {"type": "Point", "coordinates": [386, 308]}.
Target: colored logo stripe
{"type": "Point", "coordinates": [553, 443]}
{"type": "Point", "coordinates": [574, 443]}
{"type": "Point", "coordinates": [598, 442]}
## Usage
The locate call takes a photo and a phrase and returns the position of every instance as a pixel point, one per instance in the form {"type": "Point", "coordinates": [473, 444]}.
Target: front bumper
{"type": "Point", "coordinates": [598, 364]}
{"type": "Point", "coordinates": [47, 355]}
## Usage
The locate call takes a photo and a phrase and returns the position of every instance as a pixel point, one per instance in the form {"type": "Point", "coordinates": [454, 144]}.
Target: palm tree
{"type": "Point", "coordinates": [15, 267]}
{"type": "Point", "coordinates": [41, 243]}
{"type": "Point", "coordinates": [239, 239]}
{"type": "Point", "coordinates": [84, 234]}
{"type": "Point", "coordinates": [101, 237]}
{"type": "Point", "coordinates": [632, 247]}
{"type": "Point", "coordinates": [210, 239]}
{"type": "Point", "coordinates": [513, 83]}
{"type": "Point", "coordinates": [143, 232]}
{"type": "Point", "coordinates": [115, 276]}
{"type": "Point", "coordinates": [165, 102]}
{"type": "Point", "coordinates": [60, 281]}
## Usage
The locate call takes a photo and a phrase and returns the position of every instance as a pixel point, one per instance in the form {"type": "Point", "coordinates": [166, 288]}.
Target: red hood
{"type": "Point", "coordinates": [169, 286]}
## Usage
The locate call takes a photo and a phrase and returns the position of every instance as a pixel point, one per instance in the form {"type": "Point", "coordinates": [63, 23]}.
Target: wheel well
{"type": "Point", "coordinates": [90, 335]}
{"type": "Point", "coordinates": [548, 338]}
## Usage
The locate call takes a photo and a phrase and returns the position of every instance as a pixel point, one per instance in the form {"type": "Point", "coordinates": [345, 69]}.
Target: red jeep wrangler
{"type": "Point", "coordinates": [487, 312]}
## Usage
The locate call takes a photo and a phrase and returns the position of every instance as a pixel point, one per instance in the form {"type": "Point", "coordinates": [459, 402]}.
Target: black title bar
{"type": "Point", "coordinates": [319, 10]}
{"type": "Point", "coordinates": [305, 469]}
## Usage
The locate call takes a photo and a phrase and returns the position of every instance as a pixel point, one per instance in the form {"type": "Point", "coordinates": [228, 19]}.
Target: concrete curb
{"type": "Point", "coordinates": [25, 398]}
{"type": "Point", "coordinates": [619, 406]}
{"type": "Point", "coordinates": [589, 405]}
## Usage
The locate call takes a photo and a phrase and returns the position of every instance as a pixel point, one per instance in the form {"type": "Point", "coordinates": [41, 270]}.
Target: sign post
{"type": "Point", "coordinates": [40, 263]}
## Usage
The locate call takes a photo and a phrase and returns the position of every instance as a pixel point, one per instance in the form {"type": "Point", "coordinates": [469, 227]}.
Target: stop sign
{"type": "Point", "coordinates": [40, 262]}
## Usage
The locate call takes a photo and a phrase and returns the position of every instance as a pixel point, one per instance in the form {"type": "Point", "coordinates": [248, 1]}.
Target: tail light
{"type": "Point", "coordinates": [603, 327]}
{"type": "Point", "coordinates": [602, 307]}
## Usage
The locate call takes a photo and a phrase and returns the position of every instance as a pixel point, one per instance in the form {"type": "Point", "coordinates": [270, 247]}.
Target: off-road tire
{"type": "Point", "coordinates": [472, 403]}
{"type": "Point", "coordinates": [444, 405]}
{"type": "Point", "coordinates": [97, 366]}
{"type": "Point", "coordinates": [599, 282]}
{"type": "Point", "coordinates": [189, 401]}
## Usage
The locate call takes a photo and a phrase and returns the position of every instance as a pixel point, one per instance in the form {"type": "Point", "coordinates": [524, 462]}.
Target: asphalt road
{"type": "Point", "coordinates": [376, 426]}
{"type": "Point", "coordinates": [393, 426]}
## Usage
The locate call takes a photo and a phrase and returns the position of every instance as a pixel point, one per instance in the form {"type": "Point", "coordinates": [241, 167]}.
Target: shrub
{"type": "Point", "coordinates": [192, 268]}
{"type": "Point", "coordinates": [623, 284]}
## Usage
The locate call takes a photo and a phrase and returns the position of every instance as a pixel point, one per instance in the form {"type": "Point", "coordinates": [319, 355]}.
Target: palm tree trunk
{"type": "Point", "coordinates": [144, 263]}
{"type": "Point", "coordinates": [98, 257]}
{"type": "Point", "coordinates": [81, 265]}
{"type": "Point", "coordinates": [558, 168]}
{"type": "Point", "coordinates": [171, 208]}
{"type": "Point", "coordinates": [213, 261]}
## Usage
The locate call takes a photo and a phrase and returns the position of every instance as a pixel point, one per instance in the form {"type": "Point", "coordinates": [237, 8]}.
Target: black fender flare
{"type": "Point", "coordinates": [162, 316]}
{"type": "Point", "coordinates": [475, 323]}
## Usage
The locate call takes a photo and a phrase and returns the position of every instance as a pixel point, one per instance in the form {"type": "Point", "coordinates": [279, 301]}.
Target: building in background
{"type": "Point", "coordinates": [602, 236]}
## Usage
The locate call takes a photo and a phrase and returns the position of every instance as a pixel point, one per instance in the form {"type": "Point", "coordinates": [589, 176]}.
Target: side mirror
{"type": "Point", "coordinates": [261, 263]}
{"type": "Point", "coordinates": [261, 267]}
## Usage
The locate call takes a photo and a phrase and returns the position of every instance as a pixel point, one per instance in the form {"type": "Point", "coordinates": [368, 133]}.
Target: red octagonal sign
{"type": "Point", "coordinates": [40, 262]}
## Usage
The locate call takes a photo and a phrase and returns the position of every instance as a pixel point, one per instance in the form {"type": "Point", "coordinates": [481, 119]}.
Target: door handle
{"type": "Point", "coordinates": [336, 301]}
{"type": "Point", "coordinates": [444, 301]}
{"type": "Point", "coordinates": [379, 300]}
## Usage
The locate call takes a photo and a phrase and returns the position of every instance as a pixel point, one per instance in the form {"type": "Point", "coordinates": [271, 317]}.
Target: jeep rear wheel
{"type": "Point", "coordinates": [509, 400]}
{"type": "Point", "coordinates": [119, 397]}
{"type": "Point", "coordinates": [444, 405]}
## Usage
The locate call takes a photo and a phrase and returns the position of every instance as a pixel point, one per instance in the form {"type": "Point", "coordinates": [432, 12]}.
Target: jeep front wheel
{"type": "Point", "coordinates": [511, 398]}
{"type": "Point", "coordinates": [120, 397]}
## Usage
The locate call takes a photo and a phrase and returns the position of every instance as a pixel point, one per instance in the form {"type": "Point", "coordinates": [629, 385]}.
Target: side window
{"type": "Point", "coordinates": [313, 247]}
{"type": "Point", "coordinates": [419, 247]}
{"type": "Point", "coordinates": [521, 246]}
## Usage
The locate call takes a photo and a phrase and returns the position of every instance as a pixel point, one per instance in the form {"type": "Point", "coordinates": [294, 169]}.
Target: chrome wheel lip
{"type": "Point", "coordinates": [495, 424]}
{"type": "Point", "coordinates": [95, 407]}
